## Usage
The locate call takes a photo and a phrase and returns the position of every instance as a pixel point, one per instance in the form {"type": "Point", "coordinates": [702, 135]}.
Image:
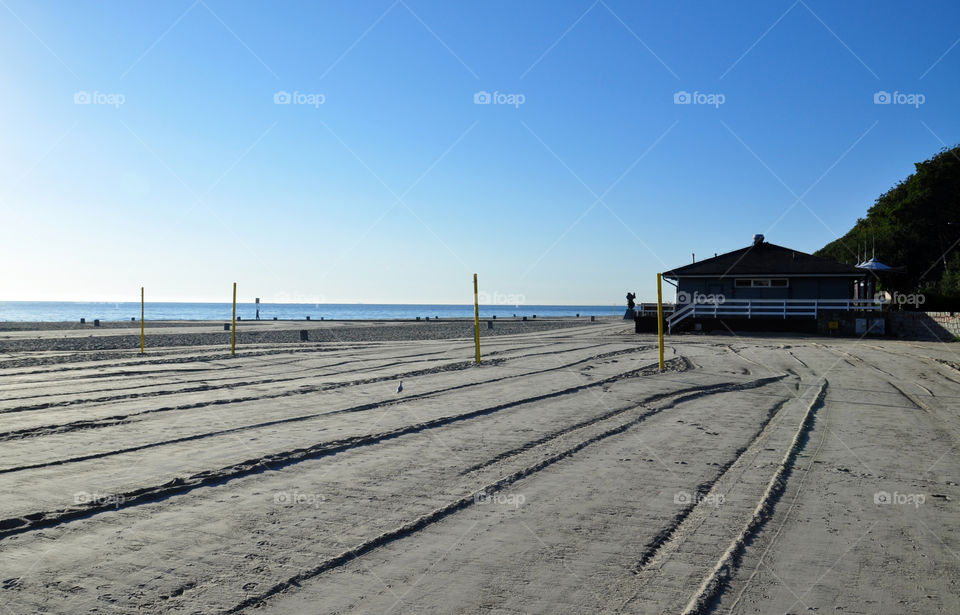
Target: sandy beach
{"type": "Point", "coordinates": [565, 474]}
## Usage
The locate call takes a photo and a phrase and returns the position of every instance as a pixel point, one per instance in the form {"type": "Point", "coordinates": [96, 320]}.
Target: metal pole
{"type": "Point", "coordinates": [141, 320]}
{"type": "Point", "coordinates": [660, 317]}
{"type": "Point", "coordinates": [233, 329]}
{"type": "Point", "coordinates": [476, 317]}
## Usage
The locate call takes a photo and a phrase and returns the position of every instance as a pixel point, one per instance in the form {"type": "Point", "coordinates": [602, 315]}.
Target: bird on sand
{"type": "Point", "coordinates": [400, 388]}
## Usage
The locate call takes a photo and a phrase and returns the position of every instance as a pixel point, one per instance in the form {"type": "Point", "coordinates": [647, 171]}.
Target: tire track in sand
{"type": "Point", "coordinates": [466, 501]}
{"type": "Point", "coordinates": [718, 579]}
{"type": "Point", "coordinates": [682, 395]}
{"type": "Point", "coordinates": [234, 385]}
{"type": "Point", "coordinates": [660, 541]}
{"type": "Point", "coordinates": [276, 461]}
{"type": "Point", "coordinates": [120, 419]}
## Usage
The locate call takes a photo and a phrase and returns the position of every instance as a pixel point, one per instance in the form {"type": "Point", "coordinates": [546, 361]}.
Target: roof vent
{"type": "Point", "coordinates": [757, 239]}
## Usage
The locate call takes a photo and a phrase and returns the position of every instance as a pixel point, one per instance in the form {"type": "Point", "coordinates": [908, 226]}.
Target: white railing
{"type": "Point", "coordinates": [650, 309]}
{"type": "Point", "coordinates": [768, 308]}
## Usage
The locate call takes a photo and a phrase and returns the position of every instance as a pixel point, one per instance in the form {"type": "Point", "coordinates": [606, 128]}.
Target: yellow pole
{"type": "Point", "coordinates": [141, 320]}
{"type": "Point", "coordinates": [660, 317]}
{"type": "Point", "coordinates": [476, 317]}
{"type": "Point", "coordinates": [233, 329]}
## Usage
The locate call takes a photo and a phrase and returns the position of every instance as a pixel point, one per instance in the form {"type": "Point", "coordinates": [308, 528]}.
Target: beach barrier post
{"type": "Point", "coordinates": [660, 317]}
{"type": "Point", "coordinates": [141, 320]}
{"type": "Point", "coordinates": [233, 327]}
{"type": "Point", "coordinates": [476, 317]}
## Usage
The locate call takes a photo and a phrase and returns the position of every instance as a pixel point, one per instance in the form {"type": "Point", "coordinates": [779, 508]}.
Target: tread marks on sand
{"type": "Point", "coordinates": [717, 581]}
{"type": "Point", "coordinates": [234, 385]}
{"type": "Point", "coordinates": [118, 419]}
{"type": "Point", "coordinates": [275, 461]}
{"type": "Point", "coordinates": [423, 521]}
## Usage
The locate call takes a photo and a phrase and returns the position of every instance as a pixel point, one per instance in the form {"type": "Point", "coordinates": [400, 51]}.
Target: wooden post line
{"type": "Point", "coordinates": [660, 317]}
{"type": "Point", "coordinates": [141, 320]}
{"type": "Point", "coordinates": [233, 328]}
{"type": "Point", "coordinates": [476, 317]}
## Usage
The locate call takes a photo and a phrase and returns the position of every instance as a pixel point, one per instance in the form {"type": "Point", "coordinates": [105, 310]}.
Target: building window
{"type": "Point", "coordinates": [760, 282]}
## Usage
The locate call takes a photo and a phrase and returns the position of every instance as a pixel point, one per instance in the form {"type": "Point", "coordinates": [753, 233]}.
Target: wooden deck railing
{"type": "Point", "coordinates": [768, 308]}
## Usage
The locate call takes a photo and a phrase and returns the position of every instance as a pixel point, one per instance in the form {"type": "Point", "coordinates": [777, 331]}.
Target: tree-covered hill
{"type": "Point", "coordinates": [915, 225]}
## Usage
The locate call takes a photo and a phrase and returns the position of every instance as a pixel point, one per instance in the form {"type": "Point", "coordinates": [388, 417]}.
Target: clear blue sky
{"type": "Point", "coordinates": [183, 174]}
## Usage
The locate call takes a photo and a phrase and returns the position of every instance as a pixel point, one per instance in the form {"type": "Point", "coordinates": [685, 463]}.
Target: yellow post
{"type": "Point", "coordinates": [660, 317]}
{"type": "Point", "coordinates": [141, 320]}
{"type": "Point", "coordinates": [233, 329]}
{"type": "Point", "coordinates": [476, 317]}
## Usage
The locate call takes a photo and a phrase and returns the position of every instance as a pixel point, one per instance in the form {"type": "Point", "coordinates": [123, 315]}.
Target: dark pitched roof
{"type": "Point", "coordinates": [764, 259]}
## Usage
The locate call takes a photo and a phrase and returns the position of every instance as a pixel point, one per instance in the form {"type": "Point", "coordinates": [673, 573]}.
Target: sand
{"type": "Point", "coordinates": [17, 336]}
{"type": "Point", "coordinates": [761, 474]}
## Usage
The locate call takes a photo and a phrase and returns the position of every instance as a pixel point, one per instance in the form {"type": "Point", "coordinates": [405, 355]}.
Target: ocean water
{"type": "Point", "coordinates": [65, 311]}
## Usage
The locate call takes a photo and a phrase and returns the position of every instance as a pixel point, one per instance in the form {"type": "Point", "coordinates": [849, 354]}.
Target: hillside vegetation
{"type": "Point", "coordinates": [915, 225]}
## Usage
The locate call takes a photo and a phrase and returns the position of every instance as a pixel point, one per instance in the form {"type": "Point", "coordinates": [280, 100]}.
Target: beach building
{"type": "Point", "coordinates": [766, 283]}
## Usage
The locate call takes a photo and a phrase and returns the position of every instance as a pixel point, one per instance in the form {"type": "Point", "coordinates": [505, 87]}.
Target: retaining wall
{"type": "Point", "coordinates": [942, 326]}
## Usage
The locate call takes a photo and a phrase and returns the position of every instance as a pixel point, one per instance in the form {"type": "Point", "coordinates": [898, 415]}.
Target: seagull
{"type": "Point", "coordinates": [400, 388]}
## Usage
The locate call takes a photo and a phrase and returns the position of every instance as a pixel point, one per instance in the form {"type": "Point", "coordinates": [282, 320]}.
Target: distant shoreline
{"type": "Point", "coordinates": [53, 312]}
{"type": "Point", "coordinates": [49, 325]}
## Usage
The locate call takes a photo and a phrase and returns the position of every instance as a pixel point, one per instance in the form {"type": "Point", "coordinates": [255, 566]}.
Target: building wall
{"type": "Point", "coordinates": [798, 288]}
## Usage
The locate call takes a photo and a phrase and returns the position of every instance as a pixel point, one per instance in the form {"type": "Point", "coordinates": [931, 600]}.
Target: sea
{"type": "Point", "coordinates": [66, 311]}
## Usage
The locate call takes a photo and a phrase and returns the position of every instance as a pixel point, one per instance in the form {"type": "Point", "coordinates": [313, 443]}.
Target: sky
{"type": "Point", "coordinates": [384, 151]}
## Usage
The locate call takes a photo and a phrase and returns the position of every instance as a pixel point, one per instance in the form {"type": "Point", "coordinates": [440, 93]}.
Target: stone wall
{"type": "Point", "coordinates": [943, 326]}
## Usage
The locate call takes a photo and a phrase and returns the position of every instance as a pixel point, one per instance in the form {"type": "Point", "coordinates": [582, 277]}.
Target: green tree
{"type": "Point", "coordinates": [915, 226]}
